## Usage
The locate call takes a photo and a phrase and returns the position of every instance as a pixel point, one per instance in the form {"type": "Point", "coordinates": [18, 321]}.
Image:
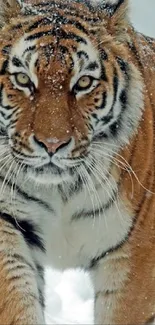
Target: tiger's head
{"type": "Point", "coordinates": [69, 93]}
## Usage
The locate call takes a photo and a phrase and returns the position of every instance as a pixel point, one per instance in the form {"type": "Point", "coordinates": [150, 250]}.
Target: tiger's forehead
{"type": "Point", "coordinates": [55, 55]}
{"type": "Point", "coordinates": [55, 27]}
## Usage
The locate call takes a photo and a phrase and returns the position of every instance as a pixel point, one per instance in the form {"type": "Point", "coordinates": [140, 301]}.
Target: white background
{"type": "Point", "coordinates": [143, 15]}
{"type": "Point", "coordinates": [69, 295]}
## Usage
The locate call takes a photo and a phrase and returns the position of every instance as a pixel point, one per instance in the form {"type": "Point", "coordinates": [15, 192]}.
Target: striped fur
{"type": "Point", "coordinates": [76, 162]}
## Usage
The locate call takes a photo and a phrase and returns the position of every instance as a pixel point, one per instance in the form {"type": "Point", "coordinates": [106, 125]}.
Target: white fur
{"type": "Point", "coordinates": [109, 2]}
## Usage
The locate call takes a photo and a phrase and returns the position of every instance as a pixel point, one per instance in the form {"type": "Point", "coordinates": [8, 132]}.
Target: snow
{"type": "Point", "coordinates": [142, 15]}
{"type": "Point", "coordinates": [69, 298]}
{"type": "Point", "coordinates": [69, 295]}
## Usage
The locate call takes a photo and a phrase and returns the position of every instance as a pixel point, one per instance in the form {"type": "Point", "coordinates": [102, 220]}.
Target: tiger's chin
{"type": "Point", "coordinates": [49, 178]}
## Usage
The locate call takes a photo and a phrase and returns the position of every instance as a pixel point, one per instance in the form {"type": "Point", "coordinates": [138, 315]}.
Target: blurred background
{"type": "Point", "coordinates": [70, 295]}
{"type": "Point", "coordinates": [143, 15]}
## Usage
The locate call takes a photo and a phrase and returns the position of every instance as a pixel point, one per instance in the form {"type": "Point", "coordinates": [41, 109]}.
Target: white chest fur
{"type": "Point", "coordinates": [74, 242]}
{"type": "Point", "coordinates": [74, 235]}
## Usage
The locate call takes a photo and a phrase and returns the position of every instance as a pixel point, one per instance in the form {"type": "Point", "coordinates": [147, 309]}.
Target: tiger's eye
{"type": "Point", "coordinates": [22, 79]}
{"type": "Point", "coordinates": [84, 82]}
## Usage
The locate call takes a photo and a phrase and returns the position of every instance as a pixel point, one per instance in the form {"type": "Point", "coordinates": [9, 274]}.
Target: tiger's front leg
{"type": "Point", "coordinates": [19, 295]}
{"type": "Point", "coordinates": [124, 289]}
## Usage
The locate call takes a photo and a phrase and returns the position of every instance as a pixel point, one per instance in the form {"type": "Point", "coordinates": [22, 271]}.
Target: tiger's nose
{"type": "Point", "coordinates": [51, 144]}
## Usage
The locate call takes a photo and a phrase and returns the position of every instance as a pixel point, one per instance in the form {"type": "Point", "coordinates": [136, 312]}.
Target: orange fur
{"type": "Point", "coordinates": [134, 303]}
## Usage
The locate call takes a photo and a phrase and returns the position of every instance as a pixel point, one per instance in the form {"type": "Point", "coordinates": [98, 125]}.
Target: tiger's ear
{"type": "Point", "coordinates": [111, 7]}
{"type": "Point", "coordinates": [114, 13]}
{"type": "Point", "coordinates": [8, 10]}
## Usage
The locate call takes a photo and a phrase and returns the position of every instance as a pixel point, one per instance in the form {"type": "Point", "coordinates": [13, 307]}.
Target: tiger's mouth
{"type": "Point", "coordinates": [47, 168]}
{"type": "Point", "coordinates": [53, 170]}
{"type": "Point", "coordinates": [50, 173]}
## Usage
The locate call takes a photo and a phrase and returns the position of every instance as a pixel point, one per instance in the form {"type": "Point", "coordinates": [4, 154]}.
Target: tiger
{"type": "Point", "coordinates": [77, 148]}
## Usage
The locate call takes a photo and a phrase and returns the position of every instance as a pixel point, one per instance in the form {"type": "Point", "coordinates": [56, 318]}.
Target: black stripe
{"type": "Point", "coordinates": [92, 66]}
{"type": "Point", "coordinates": [42, 4]}
{"type": "Point", "coordinates": [71, 190]}
{"type": "Point", "coordinates": [74, 13]}
{"type": "Point", "coordinates": [123, 65]}
{"type": "Point", "coordinates": [4, 133]}
{"type": "Point", "coordinates": [103, 75]}
{"type": "Point", "coordinates": [115, 127]}
{"type": "Point", "coordinates": [7, 107]}
{"type": "Point", "coordinates": [64, 20]}
{"type": "Point", "coordinates": [90, 20]}
{"type": "Point", "coordinates": [80, 54]}
{"type": "Point", "coordinates": [6, 49]}
{"type": "Point", "coordinates": [95, 116]}
{"type": "Point", "coordinates": [64, 50]}
{"type": "Point", "coordinates": [104, 292]}
{"type": "Point", "coordinates": [134, 51]}
{"type": "Point", "coordinates": [29, 49]}
{"type": "Point", "coordinates": [100, 136]}
{"type": "Point", "coordinates": [4, 67]}
{"type": "Point", "coordinates": [30, 198]}
{"type": "Point", "coordinates": [21, 154]}
{"type": "Point", "coordinates": [75, 188]}
{"type": "Point", "coordinates": [94, 262]}
{"type": "Point", "coordinates": [13, 259]}
{"type": "Point", "coordinates": [59, 33]}
{"type": "Point", "coordinates": [57, 19]}
{"type": "Point", "coordinates": [115, 86]}
{"type": "Point", "coordinates": [13, 122]}
{"type": "Point", "coordinates": [103, 54]}
{"type": "Point", "coordinates": [29, 230]}
{"type": "Point", "coordinates": [14, 266]}
{"type": "Point", "coordinates": [41, 22]}
{"type": "Point", "coordinates": [123, 98]}
{"type": "Point", "coordinates": [40, 271]}
{"type": "Point", "coordinates": [41, 299]}
{"type": "Point", "coordinates": [6, 117]}
{"type": "Point", "coordinates": [107, 119]}
{"type": "Point", "coordinates": [17, 62]}
{"type": "Point", "coordinates": [90, 214]}
{"type": "Point", "coordinates": [38, 35]}
{"type": "Point", "coordinates": [21, 25]}
{"type": "Point", "coordinates": [69, 9]}
{"type": "Point", "coordinates": [22, 260]}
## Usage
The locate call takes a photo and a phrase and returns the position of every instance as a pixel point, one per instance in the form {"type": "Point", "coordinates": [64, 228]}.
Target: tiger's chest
{"type": "Point", "coordinates": [78, 229]}
{"type": "Point", "coordinates": [84, 228]}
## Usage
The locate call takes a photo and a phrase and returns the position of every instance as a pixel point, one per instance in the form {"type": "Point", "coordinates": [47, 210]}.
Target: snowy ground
{"type": "Point", "coordinates": [69, 295]}
{"type": "Point", "coordinates": [69, 298]}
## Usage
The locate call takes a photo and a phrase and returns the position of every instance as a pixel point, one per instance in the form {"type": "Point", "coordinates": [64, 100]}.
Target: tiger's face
{"type": "Point", "coordinates": [65, 98]}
